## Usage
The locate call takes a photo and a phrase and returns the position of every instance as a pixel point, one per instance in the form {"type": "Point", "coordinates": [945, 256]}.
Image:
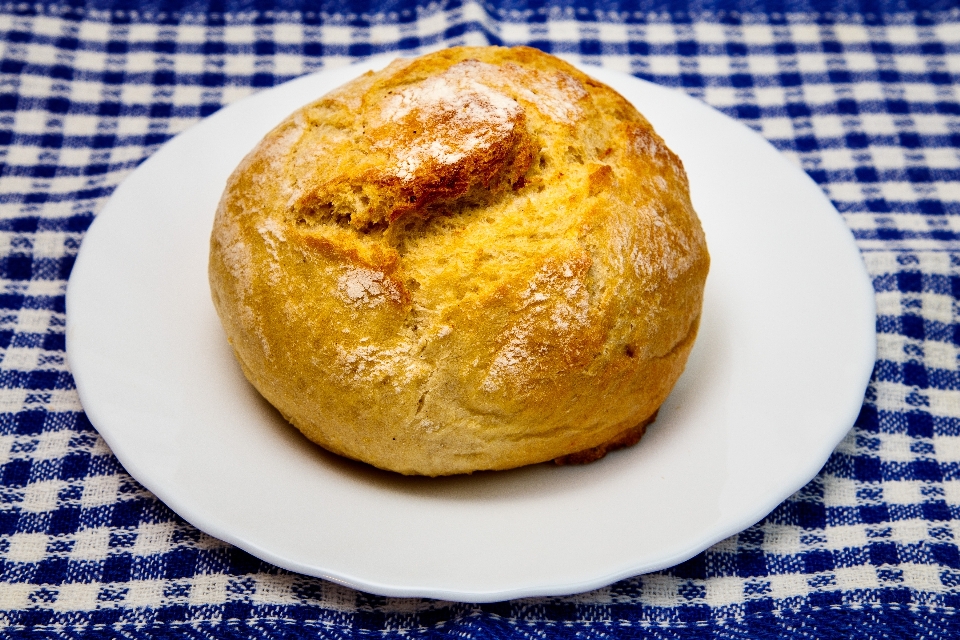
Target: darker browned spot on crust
{"type": "Point", "coordinates": [625, 439]}
{"type": "Point", "coordinates": [600, 179]}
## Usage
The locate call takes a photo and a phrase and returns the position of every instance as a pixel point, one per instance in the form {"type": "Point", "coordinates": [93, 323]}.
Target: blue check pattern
{"type": "Point", "coordinates": [863, 95]}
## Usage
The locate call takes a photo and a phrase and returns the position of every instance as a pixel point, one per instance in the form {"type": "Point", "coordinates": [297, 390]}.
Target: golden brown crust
{"type": "Point", "coordinates": [625, 439]}
{"type": "Point", "coordinates": [477, 259]}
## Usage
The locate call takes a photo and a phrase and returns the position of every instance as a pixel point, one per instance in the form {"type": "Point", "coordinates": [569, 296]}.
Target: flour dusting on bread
{"type": "Point", "coordinates": [454, 113]}
{"type": "Point", "coordinates": [366, 287]}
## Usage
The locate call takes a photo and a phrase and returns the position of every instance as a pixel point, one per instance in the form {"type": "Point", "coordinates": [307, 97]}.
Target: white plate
{"type": "Point", "coordinates": [776, 379]}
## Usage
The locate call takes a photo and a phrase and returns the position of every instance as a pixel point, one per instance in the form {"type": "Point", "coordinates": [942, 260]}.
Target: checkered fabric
{"type": "Point", "coordinates": [866, 100]}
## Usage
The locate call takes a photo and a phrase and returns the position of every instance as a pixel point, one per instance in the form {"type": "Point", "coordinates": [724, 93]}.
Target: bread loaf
{"type": "Point", "coordinates": [477, 259]}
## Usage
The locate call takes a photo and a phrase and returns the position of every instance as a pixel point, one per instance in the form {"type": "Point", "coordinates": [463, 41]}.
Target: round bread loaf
{"type": "Point", "coordinates": [477, 259]}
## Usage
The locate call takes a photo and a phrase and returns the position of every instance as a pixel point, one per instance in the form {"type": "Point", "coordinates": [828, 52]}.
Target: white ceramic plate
{"type": "Point", "coordinates": [776, 379]}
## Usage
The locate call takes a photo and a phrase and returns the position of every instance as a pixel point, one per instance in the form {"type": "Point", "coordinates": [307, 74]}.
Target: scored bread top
{"type": "Point", "coordinates": [476, 259]}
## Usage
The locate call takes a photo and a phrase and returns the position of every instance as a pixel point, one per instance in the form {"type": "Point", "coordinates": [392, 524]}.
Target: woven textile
{"type": "Point", "coordinates": [866, 100]}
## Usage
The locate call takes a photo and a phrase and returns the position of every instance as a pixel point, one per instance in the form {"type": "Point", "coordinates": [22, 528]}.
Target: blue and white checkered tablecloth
{"type": "Point", "coordinates": [865, 99]}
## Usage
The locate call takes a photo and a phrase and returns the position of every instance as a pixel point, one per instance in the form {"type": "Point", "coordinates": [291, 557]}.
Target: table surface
{"type": "Point", "coordinates": [862, 95]}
